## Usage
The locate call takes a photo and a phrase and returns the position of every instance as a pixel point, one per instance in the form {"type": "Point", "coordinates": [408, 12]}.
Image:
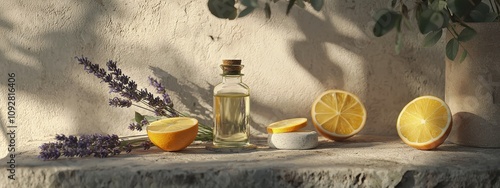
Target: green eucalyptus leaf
{"type": "Point", "coordinates": [442, 5]}
{"type": "Point", "coordinates": [432, 38]}
{"type": "Point", "coordinates": [151, 119]}
{"type": "Point", "coordinates": [438, 5]}
{"type": "Point", "coordinates": [466, 34]}
{"type": "Point", "coordinates": [452, 49]}
{"type": "Point", "coordinates": [463, 56]}
{"type": "Point", "coordinates": [250, 3]}
{"type": "Point", "coordinates": [246, 11]}
{"type": "Point", "coordinates": [492, 16]}
{"type": "Point", "coordinates": [289, 7]}
{"type": "Point", "coordinates": [300, 3]}
{"type": "Point", "coordinates": [437, 19]}
{"type": "Point", "coordinates": [317, 4]}
{"type": "Point", "coordinates": [267, 10]}
{"type": "Point", "coordinates": [430, 20]}
{"type": "Point", "coordinates": [393, 3]}
{"type": "Point", "coordinates": [223, 8]}
{"type": "Point", "coordinates": [477, 16]}
{"type": "Point", "coordinates": [138, 117]}
{"type": "Point", "coordinates": [483, 8]}
{"type": "Point", "coordinates": [386, 21]}
{"type": "Point", "coordinates": [418, 10]}
{"type": "Point", "coordinates": [482, 13]}
{"type": "Point", "coordinates": [462, 8]}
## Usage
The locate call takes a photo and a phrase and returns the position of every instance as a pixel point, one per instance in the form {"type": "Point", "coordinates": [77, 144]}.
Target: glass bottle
{"type": "Point", "coordinates": [231, 108]}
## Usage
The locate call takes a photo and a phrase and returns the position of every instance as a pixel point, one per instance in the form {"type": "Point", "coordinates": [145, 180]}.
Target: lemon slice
{"type": "Point", "coordinates": [287, 125]}
{"type": "Point", "coordinates": [173, 134]}
{"type": "Point", "coordinates": [424, 123]}
{"type": "Point", "coordinates": [338, 115]}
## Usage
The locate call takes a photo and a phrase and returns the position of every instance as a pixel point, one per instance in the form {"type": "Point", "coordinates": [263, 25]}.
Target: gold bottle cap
{"type": "Point", "coordinates": [231, 67]}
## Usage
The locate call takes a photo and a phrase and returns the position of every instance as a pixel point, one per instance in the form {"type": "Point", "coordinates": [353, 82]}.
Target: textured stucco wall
{"type": "Point", "coordinates": [289, 60]}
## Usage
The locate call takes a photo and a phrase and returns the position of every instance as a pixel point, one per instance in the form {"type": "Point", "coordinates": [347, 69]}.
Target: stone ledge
{"type": "Point", "coordinates": [363, 161]}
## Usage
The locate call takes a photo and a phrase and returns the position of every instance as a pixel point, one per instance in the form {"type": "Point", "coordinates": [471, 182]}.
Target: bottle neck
{"type": "Point", "coordinates": [230, 79]}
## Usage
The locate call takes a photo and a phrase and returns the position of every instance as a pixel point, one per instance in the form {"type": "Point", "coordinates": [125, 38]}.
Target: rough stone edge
{"type": "Point", "coordinates": [258, 177]}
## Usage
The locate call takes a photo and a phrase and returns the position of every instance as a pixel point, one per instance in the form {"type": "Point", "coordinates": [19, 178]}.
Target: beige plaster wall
{"type": "Point", "coordinates": [289, 60]}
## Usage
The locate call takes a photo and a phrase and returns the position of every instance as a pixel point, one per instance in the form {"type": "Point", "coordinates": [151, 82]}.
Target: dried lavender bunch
{"type": "Point", "coordinates": [127, 88]}
{"type": "Point", "coordinates": [97, 145]}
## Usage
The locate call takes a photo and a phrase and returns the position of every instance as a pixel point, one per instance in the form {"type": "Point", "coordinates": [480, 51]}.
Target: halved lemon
{"type": "Point", "coordinates": [287, 125]}
{"type": "Point", "coordinates": [424, 123]}
{"type": "Point", "coordinates": [173, 134]}
{"type": "Point", "coordinates": [338, 115]}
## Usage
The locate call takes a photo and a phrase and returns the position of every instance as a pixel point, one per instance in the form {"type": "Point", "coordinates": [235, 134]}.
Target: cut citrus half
{"type": "Point", "coordinates": [287, 125]}
{"type": "Point", "coordinates": [173, 134]}
{"type": "Point", "coordinates": [338, 115]}
{"type": "Point", "coordinates": [424, 123]}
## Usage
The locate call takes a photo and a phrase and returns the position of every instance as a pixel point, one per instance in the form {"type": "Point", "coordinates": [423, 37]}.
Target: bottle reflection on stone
{"type": "Point", "coordinates": [231, 107]}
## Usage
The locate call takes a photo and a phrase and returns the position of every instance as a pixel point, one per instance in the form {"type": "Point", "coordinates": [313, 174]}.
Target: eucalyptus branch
{"type": "Point", "coordinates": [452, 31]}
{"type": "Point", "coordinates": [433, 16]}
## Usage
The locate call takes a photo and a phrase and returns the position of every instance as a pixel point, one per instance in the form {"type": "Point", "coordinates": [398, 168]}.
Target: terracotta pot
{"type": "Point", "coordinates": [472, 89]}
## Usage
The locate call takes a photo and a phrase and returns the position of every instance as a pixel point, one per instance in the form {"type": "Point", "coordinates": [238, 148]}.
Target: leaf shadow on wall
{"type": "Point", "coordinates": [381, 79]}
{"type": "Point", "coordinates": [4, 25]}
{"type": "Point", "coordinates": [46, 72]}
{"type": "Point", "coordinates": [185, 93]}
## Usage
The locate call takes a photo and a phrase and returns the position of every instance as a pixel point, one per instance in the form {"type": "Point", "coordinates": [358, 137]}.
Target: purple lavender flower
{"type": "Point", "coordinates": [132, 85]}
{"type": "Point", "coordinates": [123, 79]}
{"type": "Point", "coordinates": [60, 137]}
{"type": "Point", "coordinates": [107, 78]}
{"type": "Point", "coordinates": [146, 145]}
{"type": "Point", "coordinates": [138, 127]}
{"type": "Point", "coordinates": [127, 88]}
{"type": "Point", "coordinates": [128, 148]}
{"type": "Point", "coordinates": [132, 126]}
{"type": "Point", "coordinates": [92, 68]}
{"type": "Point", "coordinates": [115, 87]}
{"type": "Point", "coordinates": [145, 122]}
{"type": "Point", "coordinates": [161, 90]}
{"type": "Point", "coordinates": [117, 102]}
{"type": "Point", "coordinates": [116, 151]}
{"type": "Point", "coordinates": [97, 145]}
{"type": "Point", "coordinates": [111, 65]}
{"type": "Point", "coordinates": [167, 100]}
{"type": "Point", "coordinates": [50, 151]}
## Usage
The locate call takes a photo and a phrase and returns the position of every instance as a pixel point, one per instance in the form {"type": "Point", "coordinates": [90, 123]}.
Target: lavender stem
{"type": "Point", "coordinates": [143, 108]}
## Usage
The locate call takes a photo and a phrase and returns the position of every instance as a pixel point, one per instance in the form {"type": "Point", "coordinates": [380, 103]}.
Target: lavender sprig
{"type": "Point", "coordinates": [97, 145]}
{"type": "Point", "coordinates": [161, 90]}
{"type": "Point", "coordinates": [117, 102]}
{"type": "Point", "coordinates": [127, 88]}
{"type": "Point", "coordinates": [138, 126]}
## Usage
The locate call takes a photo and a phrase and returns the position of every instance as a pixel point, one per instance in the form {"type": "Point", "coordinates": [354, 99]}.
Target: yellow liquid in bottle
{"type": "Point", "coordinates": [231, 119]}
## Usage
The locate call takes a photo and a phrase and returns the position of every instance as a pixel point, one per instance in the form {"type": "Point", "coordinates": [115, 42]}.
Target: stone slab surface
{"type": "Point", "coordinates": [362, 161]}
